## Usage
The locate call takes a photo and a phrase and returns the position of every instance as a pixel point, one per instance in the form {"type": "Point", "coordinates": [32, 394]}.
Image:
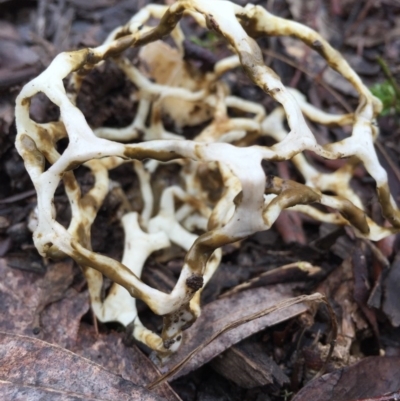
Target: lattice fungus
{"type": "Point", "coordinates": [248, 202]}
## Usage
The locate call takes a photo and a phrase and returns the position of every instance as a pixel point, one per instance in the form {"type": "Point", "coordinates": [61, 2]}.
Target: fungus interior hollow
{"type": "Point", "coordinates": [219, 192]}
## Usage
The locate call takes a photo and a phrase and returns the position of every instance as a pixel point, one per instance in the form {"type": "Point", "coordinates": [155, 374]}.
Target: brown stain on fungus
{"type": "Point", "coordinates": [26, 102]}
{"type": "Point", "coordinates": [238, 199]}
{"type": "Point", "coordinates": [32, 155]}
{"type": "Point", "coordinates": [353, 214]}
{"type": "Point", "coordinates": [119, 46]}
{"type": "Point", "coordinates": [72, 165]}
{"type": "Point", "coordinates": [274, 91]}
{"type": "Point", "coordinates": [204, 246]}
{"type": "Point", "coordinates": [156, 115]}
{"type": "Point", "coordinates": [46, 143]}
{"type": "Point", "coordinates": [55, 254]}
{"type": "Point", "coordinates": [212, 23]}
{"type": "Point", "coordinates": [83, 235]}
{"type": "Point", "coordinates": [111, 268]}
{"type": "Point", "coordinates": [141, 154]}
{"type": "Point", "coordinates": [187, 325]}
{"type": "Point", "coordinates": [77, 58]}
{"type": "Point", "coordinates": [290, 193]}
{"type": "Point", "coordinates": [195, 282]}
{"type": "Point", "coordinates": [317, 45]}
{"type": "Point", "coordinates": [89, 201]}
{"type": "Point", "coordinates": [167, 23]}
{"type": "Point", "coordinates": [70, 181]}
{"type": "Point", "coordinates": [250, 23]}
{"type": "Point", "coordinates": [388, 211]}
{"type": "Point", "coordinates": [123, 32]}
{"type": "Point", "coordinates": [167, 343]}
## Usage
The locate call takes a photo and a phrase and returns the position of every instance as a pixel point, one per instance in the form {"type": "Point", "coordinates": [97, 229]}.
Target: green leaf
{"type": "Point", "coordinates": [387, 95]}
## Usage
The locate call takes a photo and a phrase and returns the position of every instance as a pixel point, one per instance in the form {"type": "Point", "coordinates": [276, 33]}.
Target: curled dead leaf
{"type": "Point", "coordinates": [45, 368]}
{"type": "Point", "coordinates": [227, 321]}
{"type": "Point", "coordinates": [370, 378]}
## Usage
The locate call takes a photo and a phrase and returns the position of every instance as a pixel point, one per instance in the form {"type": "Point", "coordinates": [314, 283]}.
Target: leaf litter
{"type": "Point", "coordinates": [62, 316]}
{"type": "Point", "coordinates": [225, 323]}
{"type": "Point", "coordinates": [31, 367]}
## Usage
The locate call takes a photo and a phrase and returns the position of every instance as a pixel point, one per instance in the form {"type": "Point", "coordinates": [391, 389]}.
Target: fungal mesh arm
{"type": "Point", "coordinates": [248, 202]}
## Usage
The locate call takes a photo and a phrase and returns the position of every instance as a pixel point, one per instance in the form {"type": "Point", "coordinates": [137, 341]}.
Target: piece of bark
{"type": "Point", "coordinates": [28, 362]}
{"type": "Point", "coordinates": [219, 314]}
{"type": "Point", "coordinates": [375, 297]}
{"type": "Point", "coordinates": [248, 365]}
{"type": "Point", "coordinates": [361, 284]}
{"type": "Point", "coordinates": [334, 239]}
{"type": "Point", "coordinates": [339, 288]}
{"type": "Point", "coordinates": [391, 300]}
{"type": "Point", "coordinates": [370, 378]}
{"type": "Point", "coordinates": [395, 396]}
{"type": "Point", "coordinates": [24, 260]}
{"type": "Point", "coordinates": [284, 274]}
{"type": "Point", "coordinates": [289, 226]}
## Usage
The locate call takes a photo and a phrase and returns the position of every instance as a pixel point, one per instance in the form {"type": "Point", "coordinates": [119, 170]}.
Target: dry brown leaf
{"type": "Point", "coordinates": [391, 293]}
{"type": "Point", "coordinates": [218, 315]}
{"type": "Point", "coordinates": [372, 377]}
{"type": "Point", "coordinates": [51, 371]}
{"type": "Point", "coordinates": [111, 353]}
{"type": "Point", "coordinates": [362, 287]}
{"type": "Point", "coordinates": [27, 299]}
{"type": "Point", "coordinates": [18, 298]}
{"type": "Point", "coordinates": [339, 287]}
{"type": "Point", "coordinates": [235, 326]}
{"type": "Point", "coordinates": [60, 321]}
{"type": "Point", "coordinates": [55, 283]}
{"type": "Point", "coordinates": [42, 306]}
{"type": "Point", "coordinates": [17, 62]}
{"type": "Point", "coordinates": [9, 391]}
{"type": "Point", "coordinates": [320, 15]}
{"type": "Point", "coordinates": [248, 365]}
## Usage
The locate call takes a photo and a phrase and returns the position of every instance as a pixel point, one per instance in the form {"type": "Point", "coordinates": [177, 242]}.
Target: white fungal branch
{"type": "Point", "coordinates": [224, 192]}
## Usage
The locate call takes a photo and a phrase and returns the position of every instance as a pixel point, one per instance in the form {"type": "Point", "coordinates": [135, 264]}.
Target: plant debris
{"type": "Point", "coordinates": [190, 88]}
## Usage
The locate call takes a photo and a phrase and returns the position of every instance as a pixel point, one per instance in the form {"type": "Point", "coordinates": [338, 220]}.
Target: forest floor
{"type": "Point", "coordinates": [47, 330]}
